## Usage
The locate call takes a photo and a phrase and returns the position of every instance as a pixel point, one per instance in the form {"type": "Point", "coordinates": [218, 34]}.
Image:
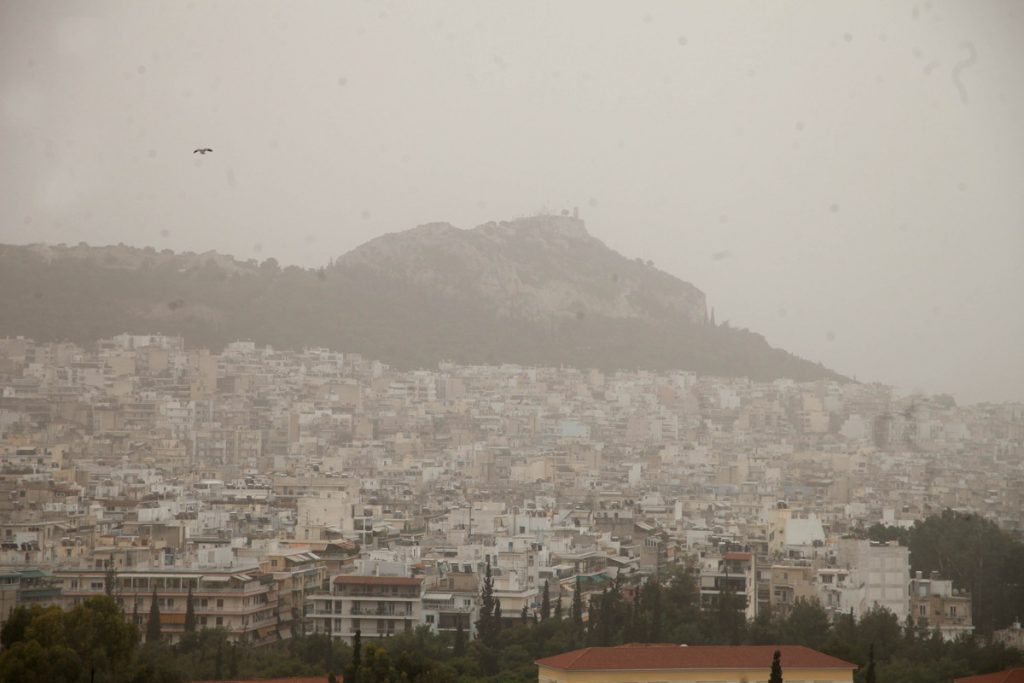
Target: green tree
{"type": "Point", "coordinates": [190, 612]}
{"type": "Point", "coordinates": [110, 579]}
{"type": "Point", "coordinates": [807, 624]}
{"type": "Point", "coordinates": [17, 623]}
{"type": "Point", "coordinates": [97, 630]}
{"type": "Point", "coordinates": [486, 625]}
{"type": "Point", "coordinates": [459, 645]}
{"type": "Point", "coordinates": [776, 675]}
{"type": "Point", "coordinates": [545, 604]}
{"type": "Point", "coordinates": [878, 630]}
{"type": "Point", "coordinates": [353, 671]}
{"type": "Point", "coordinates": [869, 674]}
{"type": "Point", "coordinates": [576, 615]}
{"type": "Point", "coordinates": [153, 624]}
{"type": "Point", "coordinates": [558, 606]}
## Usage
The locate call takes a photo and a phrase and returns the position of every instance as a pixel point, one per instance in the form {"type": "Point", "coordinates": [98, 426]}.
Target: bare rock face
{"type": "Point", "coordinates": [536, 268]}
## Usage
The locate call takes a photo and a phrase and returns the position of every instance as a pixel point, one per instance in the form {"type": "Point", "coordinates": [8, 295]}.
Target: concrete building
{"type": "Point", "coordinates": [376, 606]}
{"type": "Point", "coordinates": [243, 602]}
{"type": "Point", "coordinates": [664, 662]}
{"type": "Point", "coordinates": [935, 605]}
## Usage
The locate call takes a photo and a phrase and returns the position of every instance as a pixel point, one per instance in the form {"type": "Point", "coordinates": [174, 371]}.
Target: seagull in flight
{"type": "Point", "coordinates": [202, 150]}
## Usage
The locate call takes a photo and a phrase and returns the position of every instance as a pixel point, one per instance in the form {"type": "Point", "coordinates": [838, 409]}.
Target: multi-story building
{"type": "Point", "coordinates": [298, 575]}
{"type": "Point", "coordinates": [243, 602]}
{"type": "Point", "coordinates": [26, 587]}
{"type": "Point", "coordinates": [788, 584]}
{"type": "Point", "coordinates": [731, 576]}
{"type": "Point", "coordinates": [453, 599]}
{"type": "Point", "coordinates": [936, 605]}
{"type": "Point", "coordinates": [376, 606]}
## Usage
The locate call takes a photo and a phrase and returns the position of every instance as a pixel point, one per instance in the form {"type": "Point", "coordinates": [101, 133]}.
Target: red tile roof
{"type": "Point", "coordinates": [1008, 676]}
{"type": "Point", "coordinates": [295, 679]}
{"type": "Point", "coordinates": [737, 555]}
{"type": "Point", "coordinates": [377, 580]}
{"type": "Point", "coordinates": [667, 656]}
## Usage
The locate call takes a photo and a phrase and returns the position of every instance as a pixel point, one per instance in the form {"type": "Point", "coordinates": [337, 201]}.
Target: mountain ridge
{"type": "Point", "coordinates": [538, 290]}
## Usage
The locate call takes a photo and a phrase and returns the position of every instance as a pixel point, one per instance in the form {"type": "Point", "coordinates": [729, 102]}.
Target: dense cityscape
{"type": "Point", "coordinates": [668, 341]}
{"type": "Point", "coordinates": [277, 495]}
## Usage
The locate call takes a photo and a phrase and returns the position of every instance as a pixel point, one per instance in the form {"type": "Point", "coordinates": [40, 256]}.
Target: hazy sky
{"type": "Point", "coordinates": [845, 178]}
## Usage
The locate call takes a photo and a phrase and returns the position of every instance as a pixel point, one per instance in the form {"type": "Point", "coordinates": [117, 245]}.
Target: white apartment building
{"type": "Point", "coordinates": [376, 606]}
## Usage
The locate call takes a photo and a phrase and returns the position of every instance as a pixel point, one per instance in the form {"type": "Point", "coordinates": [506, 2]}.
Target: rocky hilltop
{"type": "Point", "coordinates": [532, 268]}
{"type": "Point", "coordinates": [537, 290]}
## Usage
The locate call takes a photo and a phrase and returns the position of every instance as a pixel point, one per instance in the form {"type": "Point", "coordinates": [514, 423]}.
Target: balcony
{"type": "Point", "coordinates": [379, 612]}
{"type": "Point", "coordinates": [447, 607]}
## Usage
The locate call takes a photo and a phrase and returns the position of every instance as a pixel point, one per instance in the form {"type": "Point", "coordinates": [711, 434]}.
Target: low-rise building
{"type": "Point", "coordinates": [659, 663]}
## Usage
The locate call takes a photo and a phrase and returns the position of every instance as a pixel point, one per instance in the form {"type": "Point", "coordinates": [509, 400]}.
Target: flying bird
{"type": "Point", "coordinates": [202, 150]}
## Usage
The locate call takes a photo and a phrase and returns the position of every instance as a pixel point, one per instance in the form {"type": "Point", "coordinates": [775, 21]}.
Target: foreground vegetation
{"type": "Point", "coordinates": [94, 642]}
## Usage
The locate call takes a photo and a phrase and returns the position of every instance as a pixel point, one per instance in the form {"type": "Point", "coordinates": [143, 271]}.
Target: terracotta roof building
{"type": "Point", "coordinates": [667, 662]}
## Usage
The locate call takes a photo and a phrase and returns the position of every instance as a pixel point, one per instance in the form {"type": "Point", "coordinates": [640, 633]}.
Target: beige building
{"type": "Point", "coordinates": [790, 583]}
{"type": "Point", "coordinates": [936, 605]}
{"type": "Point", "coordinates": [704, 663]}
{"type": "Point", "coordinates": [376, 606]}
{"type": "Point", "coordinates": [243, 602]}
{"type": "Point", "coordinates": [298, 574]}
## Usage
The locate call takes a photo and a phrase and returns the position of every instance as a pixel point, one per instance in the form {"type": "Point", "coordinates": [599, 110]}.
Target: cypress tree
{"type": "Point", "coordinates": [110, 579]}
{"type": "Point", "coordinates": [485, 625]}
{"type": "Point", "coordinates": [351, 674]}
{"type": "Point", "coordinates": [153, 626]}
{"type": "Point", "coordinates": [524, 615]}
{"type": "Point", "coordinates": [869, 675]}
{"type": "Point", "coordinates": [497, 616]}
{"type": "Point", "coordinates": [656, 613]}
{"type": "Point", "coordinates": [604, 632]}
{"type": "Point", "coordinates": [190, 612]}
{"type": "Point", "coordinates": [776, 676]}
{"type": "Point", "coordinates": [545, 604]}
{"type": "Point", "coordinates": [459, 646]}
{"type": "Point", "coordinates": [558, 606]}
{"type": "Point", "coordinates": [577, 604]}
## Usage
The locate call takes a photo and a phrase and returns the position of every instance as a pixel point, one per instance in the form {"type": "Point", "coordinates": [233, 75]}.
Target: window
{"type": "Point", "coordinates": [220, 621]}
{"type": "Point", "coordinates": [220, 602]}
{"type": "Point", "coordinates": [430, 618]}
{"type": "Point", "coordinates": [952, 610]}
{"type": "Point", "coordinates": [922, 610]}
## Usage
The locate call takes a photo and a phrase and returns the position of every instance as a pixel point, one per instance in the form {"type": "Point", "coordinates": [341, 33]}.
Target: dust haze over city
{"type": "Point", "coordinates": [519, 328]}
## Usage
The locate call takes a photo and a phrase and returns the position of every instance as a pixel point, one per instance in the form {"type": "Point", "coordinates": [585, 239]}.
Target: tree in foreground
{"type": "Point", "coordinates": [459, 646]}
{"type": "Point", "coordinates": [352, 673]}
{"type": "Point", "coordinates": [776, 676]}
{"type": "Point", "coordinates": [190, 612]}
{"type": "Point", "coordinates": [869, 674]}
{"type": "Point", "coordinates": [153, 625]}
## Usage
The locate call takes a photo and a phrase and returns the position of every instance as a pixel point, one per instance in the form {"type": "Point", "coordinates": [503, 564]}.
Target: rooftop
{"type": "Point", "coordinates": [638, 657]}
{"type": "Point", "coordinates": [349, 579]}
